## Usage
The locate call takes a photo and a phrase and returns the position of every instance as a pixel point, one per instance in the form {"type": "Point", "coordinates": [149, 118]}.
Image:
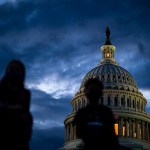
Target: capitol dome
{"type": "Point", "coordinates": [109, 71]}
{"type": "Point", "coordinates": [113, 76]}
{"type": "Point", "coordinates": [121, 94]}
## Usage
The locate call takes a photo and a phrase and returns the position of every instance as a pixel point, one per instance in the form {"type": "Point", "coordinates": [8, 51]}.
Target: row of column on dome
{"type": "Point", "coordinates": [132, 128]}
{"type": "Point", "coordinates": [117, 101]}
{"type": "Point", "coordinates": [110, 77]}
{"type": "Point", "coordinates": [124, 127]}
{"type": "Point", "coordinates": [108, 54]}
{"type": "Point", "coordinates": [117, 78]}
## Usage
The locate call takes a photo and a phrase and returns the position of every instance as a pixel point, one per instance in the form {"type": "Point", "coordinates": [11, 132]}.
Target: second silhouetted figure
{"type": "Point", "coordinates": [95, 123]}
{"type": "Point", "coordinates": [16, 119]}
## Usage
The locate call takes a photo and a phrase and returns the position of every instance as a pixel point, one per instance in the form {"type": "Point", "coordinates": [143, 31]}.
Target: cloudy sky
{"type": "Point", "coordinates": [59, 42]}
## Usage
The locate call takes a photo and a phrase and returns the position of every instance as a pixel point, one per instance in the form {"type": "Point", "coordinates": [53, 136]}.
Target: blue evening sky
{"type": "Point", "coordinates": [59, 42]}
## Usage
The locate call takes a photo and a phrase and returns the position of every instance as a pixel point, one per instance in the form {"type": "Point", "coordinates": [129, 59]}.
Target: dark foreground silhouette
{"type": "Point", "coordinates": [16, 119]}
{"type": "Point", "coordinates": [95, 122]}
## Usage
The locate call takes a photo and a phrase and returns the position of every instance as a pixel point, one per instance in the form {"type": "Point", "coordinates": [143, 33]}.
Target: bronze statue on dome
{"type": "Point", "coordinates": [108, 42]}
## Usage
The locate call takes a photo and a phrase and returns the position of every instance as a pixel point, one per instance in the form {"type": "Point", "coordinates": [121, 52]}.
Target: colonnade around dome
{"type": "Point", "coordinates": [131, 119]}
{"type": "Point", "coordinates": [128, 125]}
{"type": "Point", "coordinates": [124, 127]}
{"type": "Point", "coordinates": [117, 98]}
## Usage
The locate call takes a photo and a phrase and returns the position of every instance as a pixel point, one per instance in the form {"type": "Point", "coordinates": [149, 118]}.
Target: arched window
{"type": "Point", "coordinates": [108, 77]}
{"type": "Point", "coordinates": [142, 106]}
{"type": "Point", "coordinates": [108, 55]}
{"type": "Point", "coordinates": [128, 103]}
{"type": "Point", "coordinates": [114, 77]}
{"type": "Point", "coordinates": [134, 129]}
{"type": "Point", "coordinates": [133, 103]}
{"type": "Point", "coordinates": [138, 106]}
{"type": "Point", "coordinates": [116, 128]}
{"type": "Point", "coordinates": [83, 102]}
{"type": "Point", "coordinates": [111, 54]}
{"type": "Point", "coordinates": [103, 78]}
{"type": "Point", "coordinates": [123, 128]}
{"type": "Point", "coordinates": [79, 104]}
{"type": "Point", "coordinates": [116, 101]}
{"type": "Point", "coordinates": [75, 106]}
{"type": "Point", "coordinates": [108, 101]}
{"type": "Point", "coordinates": [122, 102]}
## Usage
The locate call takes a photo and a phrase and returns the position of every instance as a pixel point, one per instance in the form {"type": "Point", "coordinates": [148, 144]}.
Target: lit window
{"type": "Point", "coordinates": [140, 135]}
{"type": "Point", "coordinates": [116, 128]}
{"type": "Point", "coordinates": [107, 54]}
{"type": "Point", "coordinates": [134, 130]}
{"type": "Point", "coordinates": [134, 135]}
{"type": "Point", "coordinates": [123, 131]}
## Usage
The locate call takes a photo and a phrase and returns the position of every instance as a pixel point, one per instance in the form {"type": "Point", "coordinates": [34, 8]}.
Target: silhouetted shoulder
{"type": "Point", "coordinates": [79, 114]}
{"type": "Point", "coordinates": [102, 111]}
{"type": "Point", "coordinates": [106, 112]}
{"type": "Point", "coordinates": [93, 117]}
{"type": "Point", "coordinates": [26, 99]}
{"type": "Point", "coordinates": [27, 93]}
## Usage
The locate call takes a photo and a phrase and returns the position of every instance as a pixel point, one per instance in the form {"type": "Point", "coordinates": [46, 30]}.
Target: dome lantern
{"type": "Point", "coordinates": [108, 50]}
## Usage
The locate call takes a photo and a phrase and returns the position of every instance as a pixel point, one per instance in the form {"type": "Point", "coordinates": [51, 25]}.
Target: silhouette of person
{"type": "Point", "coordinates": [16, 118]}
{"type": "Point", "coordinates": [94, 122]}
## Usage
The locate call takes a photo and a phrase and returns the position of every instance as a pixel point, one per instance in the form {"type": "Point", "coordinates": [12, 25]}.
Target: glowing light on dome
{"type": "Point", "coordinates": [107, 54]}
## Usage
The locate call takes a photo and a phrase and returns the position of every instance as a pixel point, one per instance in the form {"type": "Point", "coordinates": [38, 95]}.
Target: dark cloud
{"type": "Point", "coordinates": [142, 75]}
{"type": "Point", "coordinates": [44, 139]}
{"type": "Point", "coordinates": [45, 108]}
{"type": "Point", "coordinates": [48, 115]}
{"type": "Point", "coordinates": [14, 17]}
{"type": "Point", "coordinates": [59, 14]}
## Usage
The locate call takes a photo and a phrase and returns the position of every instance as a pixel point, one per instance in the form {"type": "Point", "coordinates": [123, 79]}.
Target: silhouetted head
{"type": "Point", "coordinates": [15, 71]}
{"type": "Point", "coordinates": [93, 89]}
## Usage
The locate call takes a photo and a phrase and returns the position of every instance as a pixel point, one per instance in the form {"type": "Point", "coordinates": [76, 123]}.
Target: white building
{"type": "Point", "coordinates": [122, 95]}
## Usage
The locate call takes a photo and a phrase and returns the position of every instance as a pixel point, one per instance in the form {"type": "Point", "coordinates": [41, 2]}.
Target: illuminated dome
{"type": "Point", "coordinates": [109, 72]}
{"type": "Point", "coordinates": [121, 94]}
{"type": "Point", "coordinates": [112, 75]}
